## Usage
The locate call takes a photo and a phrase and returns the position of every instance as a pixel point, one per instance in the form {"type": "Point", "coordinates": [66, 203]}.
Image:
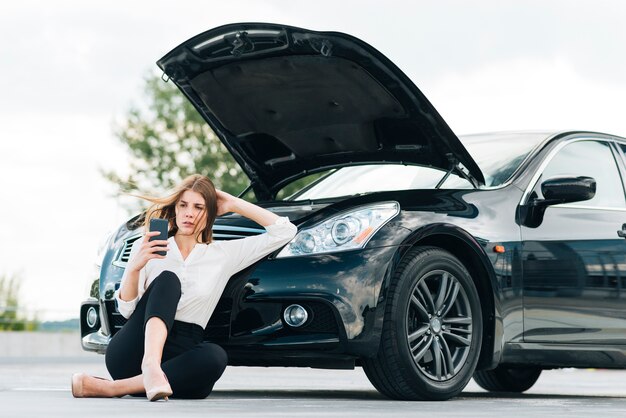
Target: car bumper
{"type": "Point", "coordinates": [342, 292]}
{"type": "Point", "coordinates": [95, 341]}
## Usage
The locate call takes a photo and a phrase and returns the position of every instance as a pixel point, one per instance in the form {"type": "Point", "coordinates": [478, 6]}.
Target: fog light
{"type": "Point", "coordinates": [92, 317]}
{"type": "Point", "coordinates": [295, 315]}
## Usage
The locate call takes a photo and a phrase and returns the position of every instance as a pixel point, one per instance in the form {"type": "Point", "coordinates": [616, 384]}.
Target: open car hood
{"type": "Point", "coordinates": [287, 102]}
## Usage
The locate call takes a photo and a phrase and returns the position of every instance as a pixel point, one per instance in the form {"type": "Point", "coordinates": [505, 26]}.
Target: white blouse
{"type": "Point", "coordinates": [205, 272]}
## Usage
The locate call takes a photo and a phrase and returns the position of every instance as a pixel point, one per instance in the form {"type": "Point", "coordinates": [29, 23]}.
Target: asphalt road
{"type": "Point", "coordinates": [41, 388]}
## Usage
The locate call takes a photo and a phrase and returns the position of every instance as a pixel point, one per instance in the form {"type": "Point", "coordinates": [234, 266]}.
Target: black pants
{"type": "Point", "coordinates": [191, 366]}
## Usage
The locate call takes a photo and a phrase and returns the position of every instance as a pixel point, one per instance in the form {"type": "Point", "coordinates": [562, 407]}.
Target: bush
{"type": "Point", "coordinates": [11, 318]}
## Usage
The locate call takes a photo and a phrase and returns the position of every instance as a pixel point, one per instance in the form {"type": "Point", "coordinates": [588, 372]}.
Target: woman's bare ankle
{"type": "Point", "coordinates": [149, 363]}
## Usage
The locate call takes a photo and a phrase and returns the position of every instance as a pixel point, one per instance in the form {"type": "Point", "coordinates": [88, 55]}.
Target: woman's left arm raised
{"type": "Point", "coordinates": [243, 252]}
{"type": "Point", "coordinates": [229, 203]}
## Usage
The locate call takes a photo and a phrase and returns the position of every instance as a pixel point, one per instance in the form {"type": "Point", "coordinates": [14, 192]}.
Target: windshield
{"type": "Point", "coordinates": [497, 155]}
{"type": "Point", "coordinates": [348, 181]}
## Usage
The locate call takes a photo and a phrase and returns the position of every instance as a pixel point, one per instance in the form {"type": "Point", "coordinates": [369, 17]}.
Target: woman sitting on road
{"type": "Point", "coordinates": [169, 299]}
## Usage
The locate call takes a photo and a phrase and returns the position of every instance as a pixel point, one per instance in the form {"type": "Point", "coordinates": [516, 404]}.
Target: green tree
{"type": "Point", "coordinates": [168, 140]}
{"type": "Point", "coordinates": [10, 317]}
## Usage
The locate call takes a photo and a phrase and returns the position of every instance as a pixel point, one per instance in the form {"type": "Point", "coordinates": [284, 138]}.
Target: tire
{"type": "Point", "coordinates": [424, 357]}
{"type": "Point", "coordinates": [503, 379]}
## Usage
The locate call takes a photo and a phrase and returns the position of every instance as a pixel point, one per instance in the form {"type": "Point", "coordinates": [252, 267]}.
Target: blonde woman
{"type": "Point", "coordinates": [169, 299]}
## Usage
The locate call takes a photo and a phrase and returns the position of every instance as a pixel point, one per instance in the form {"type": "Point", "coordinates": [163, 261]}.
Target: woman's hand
{"type": "Point", "coordinates": [228, 203]}
{"type": "Point", "coordinates": [147, 251]}
{"type": "Point", "coordinates": [225, 202]}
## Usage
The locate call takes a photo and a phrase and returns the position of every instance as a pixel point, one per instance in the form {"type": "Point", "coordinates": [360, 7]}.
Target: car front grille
{"type": "Point", "coordinates": [220, 233]}
{"type": "Point", "coordinates": [217, 330]}
{"type": "Point", "coordinates": [128, 245]}
{"type": "Point", "coordinates": [116, 320]}
{"type": "Point", "coordinates": [227, 232]}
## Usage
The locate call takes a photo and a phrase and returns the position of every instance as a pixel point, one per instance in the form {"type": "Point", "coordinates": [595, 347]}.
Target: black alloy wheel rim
{"type": "Point", "coordinates": [439, 325]}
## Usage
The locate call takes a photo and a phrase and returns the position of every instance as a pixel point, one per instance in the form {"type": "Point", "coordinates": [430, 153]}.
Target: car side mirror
{"type": "Point", "coordinates": [556, 190]}
{"type": "Point", "coordinates": [567, 190]}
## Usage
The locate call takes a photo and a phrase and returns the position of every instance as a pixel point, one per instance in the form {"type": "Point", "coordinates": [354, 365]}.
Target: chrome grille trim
{"type": "Point", "coordinates": [228, 236]}
{"type": "Point", "coordinates": [122, 258]}
{"type": "Point", "coordinates": [227, 232]}
{"type": "Point", "coordinates": [220, 232]}
{"type": "Point", "coordinates": [128, 245]}
{"type": "Point", "coordinates": [237, 228]}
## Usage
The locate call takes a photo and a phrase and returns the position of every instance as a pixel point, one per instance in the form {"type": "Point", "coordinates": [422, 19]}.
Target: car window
{"type": "Point", "coordinates": [591, 159]}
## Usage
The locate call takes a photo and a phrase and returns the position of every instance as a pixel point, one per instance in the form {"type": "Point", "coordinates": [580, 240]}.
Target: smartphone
{"type": "Point", "coordinates": [161, 225]}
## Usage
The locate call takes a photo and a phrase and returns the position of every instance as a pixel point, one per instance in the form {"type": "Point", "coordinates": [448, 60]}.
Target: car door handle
{"type": "Point", "coordinates": [622, 232]}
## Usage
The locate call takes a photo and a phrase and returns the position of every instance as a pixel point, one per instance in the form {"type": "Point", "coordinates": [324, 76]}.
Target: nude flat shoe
{"type": "Point", "coordinates": [77, 385]}
{"type": "Point", "coordinates": [78, 390]}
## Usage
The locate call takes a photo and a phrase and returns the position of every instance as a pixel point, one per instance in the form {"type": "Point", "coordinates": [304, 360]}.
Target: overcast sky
{"type": "Point", "coordinates": [70, 69]}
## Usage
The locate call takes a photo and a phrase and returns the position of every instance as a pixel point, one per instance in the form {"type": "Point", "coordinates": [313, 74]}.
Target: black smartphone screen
{"type": "Point", "coordinates": [161, 225]}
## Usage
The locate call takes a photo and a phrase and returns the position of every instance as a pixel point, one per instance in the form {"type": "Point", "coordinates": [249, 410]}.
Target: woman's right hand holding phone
{"type": "Point", "coordinates": [147, 252]}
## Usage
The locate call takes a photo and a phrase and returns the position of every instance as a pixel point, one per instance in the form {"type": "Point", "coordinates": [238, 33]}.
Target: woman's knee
{"type": "Point", "coordinates": [169, 280]}
{"type": "Point", "coordinates": [215, 359]}
{"type": "Point", "coordinates": [209, 361]}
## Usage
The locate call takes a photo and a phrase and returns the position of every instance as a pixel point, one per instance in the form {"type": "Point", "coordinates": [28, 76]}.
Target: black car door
{"type": "Point", "coordinates": [574, 262]}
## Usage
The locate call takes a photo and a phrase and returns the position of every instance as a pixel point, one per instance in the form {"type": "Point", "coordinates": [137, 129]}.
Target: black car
{"type": "Point", "coordinates": [424, 258]}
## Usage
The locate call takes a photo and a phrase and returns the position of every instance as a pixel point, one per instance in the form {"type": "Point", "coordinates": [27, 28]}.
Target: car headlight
{"type": "Point", "coordinates": [346, 231]}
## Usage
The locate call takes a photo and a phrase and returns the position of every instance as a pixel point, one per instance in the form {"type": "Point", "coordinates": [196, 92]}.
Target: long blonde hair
{"type": "Point", "coordinates": [165, 207]}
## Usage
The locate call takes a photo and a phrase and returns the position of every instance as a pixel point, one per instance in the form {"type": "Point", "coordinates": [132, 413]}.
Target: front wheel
{"type": "Point", "coordinates": [432, 330]}
{"type": "Point", "coordinates": [505, 379]}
